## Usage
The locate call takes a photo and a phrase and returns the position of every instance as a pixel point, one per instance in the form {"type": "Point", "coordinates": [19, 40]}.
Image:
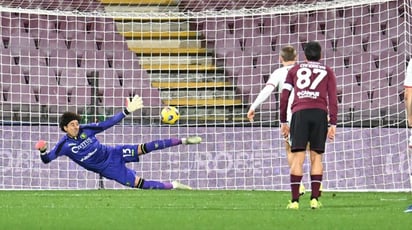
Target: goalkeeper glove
{"type": "Point", "coordinates": [134, 104]}
{"type": "Point", "coordinates": [41, 145]}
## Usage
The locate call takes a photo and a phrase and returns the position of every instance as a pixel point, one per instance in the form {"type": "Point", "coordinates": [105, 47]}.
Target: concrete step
{"type": "Point", "coordinates": [165, 43]}
{"type": "Point", "coordinates": [211, 114]}
{"type": "Point", "coordinates": [202, 94]}
{"type": "Point", "coordinates": [176, 60]}
{"type": "Point", "coordinates": [170, 51]}
{"type": "Point", "coordinates": [187, 77]}
{"type": "Point", "coordinates": [180, 67]}
{"type": "Point", "coordinates": [150, 26]}
{"type": "Point", "coordinates": [190, 85]}
{"type": "Point", "coordinates": [161, 35]}
{"type": "Point", "coordinates": [202, 102]}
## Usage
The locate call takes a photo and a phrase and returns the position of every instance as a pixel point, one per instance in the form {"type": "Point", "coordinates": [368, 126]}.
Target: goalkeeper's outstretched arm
{"type": "Point", "coordinates": [45, 156]}
{"type": "Point", "coordinates": [131, 106]}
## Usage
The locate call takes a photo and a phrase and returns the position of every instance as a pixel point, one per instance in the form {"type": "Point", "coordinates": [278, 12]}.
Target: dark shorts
{"type": "Point", "coordinates": [116, 169]}
{"type": "Point", "coordinates": [309, 126]}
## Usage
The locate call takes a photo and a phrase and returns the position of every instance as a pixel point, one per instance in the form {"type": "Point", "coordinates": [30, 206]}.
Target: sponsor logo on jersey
{"type": "Point", "coordinates": [83, 136]}
{"type": "Point", "coordinates": [83, 145]}
{"type": "Point", "coordinates": [308, 94]}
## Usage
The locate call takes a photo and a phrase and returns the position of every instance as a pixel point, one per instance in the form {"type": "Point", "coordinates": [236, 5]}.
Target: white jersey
{"type": "Point", "coordinates": [408, 76]}
{"type": "Point", "coordinates": [276, 79]}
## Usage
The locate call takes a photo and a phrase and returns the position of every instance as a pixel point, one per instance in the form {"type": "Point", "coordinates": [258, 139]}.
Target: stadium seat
{"type": "Point", "coordinates": [73, 77]}
{"type": "Point", "coordinates": [92, 61]}
{"type": "Point", "coordinates": [61, 59]}
{"type": "Point", "coordinates": [22, 99]}
{"type": "Point", "coordinates": [39, 23]}
{"type": "Point", "coordinates": [287, 39]}
{"type": "Point", "coordinates": [71, 25]}
{"type": "Point", "coordinates": [83, 44]}
{"type": "Point", "coordinates": [51, 40]}
{"type": "Point", "coordinates": [350, 46]}
{"type": "Point", "coordinates": [108, 79]}
{"type": "Point", "coordinates": [213, 29]}
{"type": "Point", "coordinates": [245, 27]}
{"type": "Point", "coordinates": [270, 25]}
{"type": "Point", "coordinates": [21, 42]}
{"type": "Point", "coordinates": [337, 28]}
{"type": "Point", "coordinates": [115, 97]}
{"type": "Point", "coordinates": [31, 59]}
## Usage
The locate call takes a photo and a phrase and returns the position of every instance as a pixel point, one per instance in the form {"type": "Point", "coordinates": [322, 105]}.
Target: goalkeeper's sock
{"type": "Point", "coordinates": [316, 181]}
{"type": "Point", "coordinates": [147, 184]}
{"type": "Point", "coordinates": [160, 144]}
{"type": "Point", "coordinates": [294, 185]}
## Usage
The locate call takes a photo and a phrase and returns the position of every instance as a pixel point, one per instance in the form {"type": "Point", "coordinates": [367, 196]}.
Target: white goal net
{"type": "Point", "coordinates": [210, 59]}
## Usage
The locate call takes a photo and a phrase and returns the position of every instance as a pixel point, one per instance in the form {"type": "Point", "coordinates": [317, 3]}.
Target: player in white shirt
{"type": "Point", "coordinates": [288, 58]}
{"type": "Point", "coordinates": [408, 99]}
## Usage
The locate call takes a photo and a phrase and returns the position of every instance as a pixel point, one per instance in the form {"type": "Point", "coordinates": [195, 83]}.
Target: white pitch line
{"type": "Point", "coordinates": [393, 199]}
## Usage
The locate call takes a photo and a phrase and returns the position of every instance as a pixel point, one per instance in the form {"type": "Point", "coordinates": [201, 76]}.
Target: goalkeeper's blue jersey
{"type": "Point", "coordinates": [85, 149]}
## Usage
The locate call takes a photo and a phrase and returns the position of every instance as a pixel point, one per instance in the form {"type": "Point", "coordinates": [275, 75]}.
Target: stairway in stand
{"type": "Point", "coordinates": [179, 65]}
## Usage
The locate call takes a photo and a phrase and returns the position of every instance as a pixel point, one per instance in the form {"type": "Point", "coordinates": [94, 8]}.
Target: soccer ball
{"type": "Point", "coordinates": [170, 115]}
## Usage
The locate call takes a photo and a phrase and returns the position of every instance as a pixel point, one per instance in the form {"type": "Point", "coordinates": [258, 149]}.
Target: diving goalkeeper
{"type": "Point", "coordinates": [81, 145]}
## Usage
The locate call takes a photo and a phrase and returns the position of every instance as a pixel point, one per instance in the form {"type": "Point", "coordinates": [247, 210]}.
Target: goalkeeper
{"type": "Point", "coordinates": [81, 145]}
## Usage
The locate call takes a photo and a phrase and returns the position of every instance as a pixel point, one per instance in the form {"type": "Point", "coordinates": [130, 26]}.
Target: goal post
{"type": "Point", "coordinates": [210, 59]}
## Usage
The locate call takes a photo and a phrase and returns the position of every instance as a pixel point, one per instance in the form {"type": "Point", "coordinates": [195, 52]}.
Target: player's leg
{"type": "Point", "coordinates": [296, 174]}
{"type": "Point", "coordinates": [289, 155]}
{"type": "Point", "coordinates": [317, 139]}
{"type": "Point", "coordinates": [299, 138]}
{"type": "Point", "coordinates": [167, 143]}
{"type": "Point", "coordinates": [316, 174]}
{"type": "Point", "coordinates": [119, 172]}
{"type": "Point", "coordinates": [408, 108]}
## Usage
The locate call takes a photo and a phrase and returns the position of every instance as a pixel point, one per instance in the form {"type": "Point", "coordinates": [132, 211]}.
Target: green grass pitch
{"type": "Point", "coordinates": [215, 209]}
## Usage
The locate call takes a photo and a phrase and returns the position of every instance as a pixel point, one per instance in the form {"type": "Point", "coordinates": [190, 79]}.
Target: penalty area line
{"type": "Point", "coordinates": [393, 199]}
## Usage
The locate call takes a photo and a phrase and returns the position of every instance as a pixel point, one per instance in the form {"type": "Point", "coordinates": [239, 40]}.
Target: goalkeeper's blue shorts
{"type": "Point", "coordinates": [116, 169]}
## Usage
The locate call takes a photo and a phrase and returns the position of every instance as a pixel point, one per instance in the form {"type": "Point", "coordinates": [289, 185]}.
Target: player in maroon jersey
{"type": "Point", "coordinates": [315, 96]}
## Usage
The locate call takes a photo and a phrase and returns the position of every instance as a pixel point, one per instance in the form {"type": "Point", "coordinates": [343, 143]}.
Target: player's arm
{"type": "Point", "coordinates": [263, 95]}
{"type": "Point", "coordinates": [131, 106]}
{"type": "Point", "coordinates": [332, 105]}
{"type": "Point", "coordinates": [45, 156]}
{"type": "Point", "coordinates": [332, 99]}
{"type": "Point", "coordinates": [284, 99]}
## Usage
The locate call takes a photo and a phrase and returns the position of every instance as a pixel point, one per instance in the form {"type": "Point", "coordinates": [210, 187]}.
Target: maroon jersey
{"type": "Point", "coordinates": [314, 87]}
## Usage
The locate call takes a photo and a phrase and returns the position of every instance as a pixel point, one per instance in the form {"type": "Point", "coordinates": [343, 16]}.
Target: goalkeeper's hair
{"type": "Point", "coordinates": [67, 117]}
{"type": "Point", "coordinates": [313, 51]}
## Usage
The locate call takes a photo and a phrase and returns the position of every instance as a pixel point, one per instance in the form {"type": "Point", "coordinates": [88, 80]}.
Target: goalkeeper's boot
{"type": "Point", "coordinates": [191, 140]}
{"type": "Point", "coordinates": [293, 205]}
{"type": "Point", "coordinates": [409, 209]}
{"type": "Point", "coordinates": [315, 204]}
{"type": "Point", "coordinates": [180, 186]}
{"type": "Point", "coordinates": [302, 189]}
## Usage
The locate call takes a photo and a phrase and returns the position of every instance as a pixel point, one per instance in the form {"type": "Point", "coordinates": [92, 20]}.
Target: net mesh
{"type": "Point", "coordinates": [210, 59]}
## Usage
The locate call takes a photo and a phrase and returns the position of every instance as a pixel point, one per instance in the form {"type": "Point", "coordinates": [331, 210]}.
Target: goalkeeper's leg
{"type": "Point", "coordinates": [146, 184]}
{"type": "Point", "coordinates": [166, 143]}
